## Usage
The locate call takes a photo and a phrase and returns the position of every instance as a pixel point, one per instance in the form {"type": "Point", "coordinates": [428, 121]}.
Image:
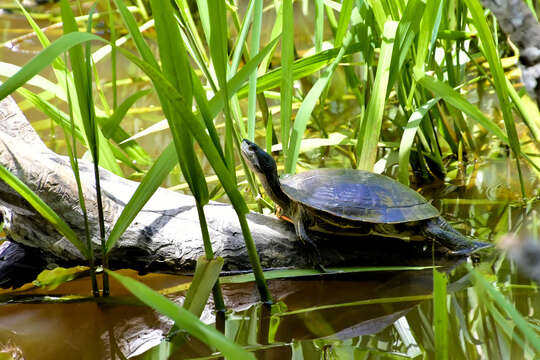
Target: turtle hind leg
{"type": "Point", "coordinates": [313, 253]}
{"type": "Point", "coordinates": [440, 231]}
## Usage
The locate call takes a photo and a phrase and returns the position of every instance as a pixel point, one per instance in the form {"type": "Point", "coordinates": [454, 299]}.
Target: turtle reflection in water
{"type": "Point", "coordinates": [354, 202]}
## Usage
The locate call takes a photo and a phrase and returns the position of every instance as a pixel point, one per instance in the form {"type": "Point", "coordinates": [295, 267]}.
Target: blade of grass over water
{"type": "Point", "coordinates": [499, 80]}
{"type": "Point", "coordinates": [206, 275]}
{"type": "Point", "coordinates": [43, 59]}
{"type": "Point", "coordinates": [218, 52]}
{"type": "Point", "coordinates": [388, 300]}
{"type": "Point", "coordinates": [526, 329]}
{"type": "Point", "coordinates": [343, 22]}
{"type": "Point", "coordinates": [319, 25]}
{"type": "Point", "coordinates": [286, 81]}
{"type": "Point", "coordinates": [370, 128]}
{"type": "Point", "coordinates": [82, 75]}
{"type": "Point", "coordinates": [440, 281]}
{"type": "Point", "coordinates": [408, 136]}
{"type": "Point", "coordinates": [306, 109]}
{"type": "Point", "coordinates": [183, 318]}
{"type": "Point", "coordinates": [455, 99]}
{"type": "Point", "coordinates": [68, 127]}
{"type": "Point", "coordinates": [254, 48]}
{"type": "Point", "coordinates": [170, 95]}
{"type": "Point", "coordinates": [295, 273]}
{"type": "Point", "coordinates": [176, 68]}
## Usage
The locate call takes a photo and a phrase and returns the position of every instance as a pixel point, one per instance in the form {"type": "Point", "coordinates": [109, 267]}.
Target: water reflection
{"type": "Point", "coordinates": [335, 307]}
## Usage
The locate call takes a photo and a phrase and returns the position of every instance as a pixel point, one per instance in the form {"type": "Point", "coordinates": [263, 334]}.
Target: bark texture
{"type": "Point", "coordinates": [519, 23]}
{"type": "Point", "coordinates": [165, 235]}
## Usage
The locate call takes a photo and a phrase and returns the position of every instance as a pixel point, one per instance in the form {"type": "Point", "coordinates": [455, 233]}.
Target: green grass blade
{"type": "Point", "coordinates": [407, 138]}
{"type": "Point", "coordinates": [527, 330]}
{"type": "Point", "coordinates": [183, 318]}
{"type": "Point", "coordinates": [44, 58]}
{"type": "Point", "coordinates": [239, 47]}
{"type": "Point", "coordinates": [527, 111]}
{"type": "Point", "coordinates": [452, 97]}
{"type": "Point", "coordinates": [286, 81]}
{"type": "Point", "coordinates": [370, 129]}
{"type": "Point", "coordinates": [113, 122]}
{"type": "Point", "coordinates": [136, 35]}
{"type": "Point", "coordinates": [218, 52]}
{"type": "Point", "coordinates": [206, 275]}
{"type": "Point", "coordinates": [196, 127]}
{"type": "Point", "coordinates": [343, 23]}
{"type": "Point", "coordinates": [306, 109]}
{"type": "Point", "coordinates": [319, 25]}
{"type": "Point", "coordinates": [499, 80]}
{"type": "Point", "coordinates": [150, 183]}
{"type": "Point", "coordinates": [42, 208]}
{"type": "Point", "coordinates": [301, 68]}
{"type": "Point", "coordinates": [254, 48]}
{"type": "Point", "coordinates": [440, 281]}
{"type": "Point", "coordinates": [296, 273]}
{"type": "Point", "coordinates": [176, 68]}
{"type": "Point", "coordinates": [238, 80]}
{"type": "Point", "coordinates": [425, 36]}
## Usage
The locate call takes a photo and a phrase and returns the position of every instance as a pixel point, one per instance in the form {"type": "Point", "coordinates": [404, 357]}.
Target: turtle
{"type": "Point", "coordinates": [353, 202]}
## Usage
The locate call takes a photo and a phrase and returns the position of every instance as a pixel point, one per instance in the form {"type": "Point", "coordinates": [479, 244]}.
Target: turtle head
{"type": "Point", "coordinates": [264, 166]}
{"type": "Point", "coordinates": [258, 160]}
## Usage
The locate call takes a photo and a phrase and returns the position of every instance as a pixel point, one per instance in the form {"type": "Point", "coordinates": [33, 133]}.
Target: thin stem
{"type": "Point", "coordinates": [72, 151]}
{"type": "Point", "coordinates": [101, 227]}
{"type": "Point", "coordinates": [216, 290]}
{"type": "Point", "coordinates": [254, 259]}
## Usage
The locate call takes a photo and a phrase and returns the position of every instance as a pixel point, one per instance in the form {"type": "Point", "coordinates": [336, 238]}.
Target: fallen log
{"type": "Point", "coordinates": [165, 235]}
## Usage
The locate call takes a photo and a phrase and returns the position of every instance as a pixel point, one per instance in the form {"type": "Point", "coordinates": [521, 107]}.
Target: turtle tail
{"type": "Point", "coordinates": [440, 231]}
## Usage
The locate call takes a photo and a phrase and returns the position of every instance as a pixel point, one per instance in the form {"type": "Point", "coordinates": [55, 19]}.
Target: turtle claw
{"type": "Point", "coordinates": [320, 267]}
{"type": "Point", "coordinates": [457, 244]}
{"type": "Point", "coordinates": [473, 248]}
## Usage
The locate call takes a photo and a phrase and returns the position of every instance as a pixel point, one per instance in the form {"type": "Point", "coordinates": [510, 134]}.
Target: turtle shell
{"type": "Point", "coordinates": [358, 195]}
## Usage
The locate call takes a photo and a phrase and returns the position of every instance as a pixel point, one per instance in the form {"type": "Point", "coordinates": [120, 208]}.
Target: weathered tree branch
{"type": "Point", "coordinates": [519, 23]}
{"type": "Point", "coordinates": [165, 235]}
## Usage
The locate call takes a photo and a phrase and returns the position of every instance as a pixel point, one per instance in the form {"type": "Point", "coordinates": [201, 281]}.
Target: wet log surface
{"type": "Point", "coordinates": [165, 235]}
{"type": "Point", "coordinates": [519, 23]}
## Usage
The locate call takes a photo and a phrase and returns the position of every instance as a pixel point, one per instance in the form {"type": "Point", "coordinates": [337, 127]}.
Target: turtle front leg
{"type": "Point", "coordinates": [314, 255]}
{"type": "Point", "coordinates": [440, 231]}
